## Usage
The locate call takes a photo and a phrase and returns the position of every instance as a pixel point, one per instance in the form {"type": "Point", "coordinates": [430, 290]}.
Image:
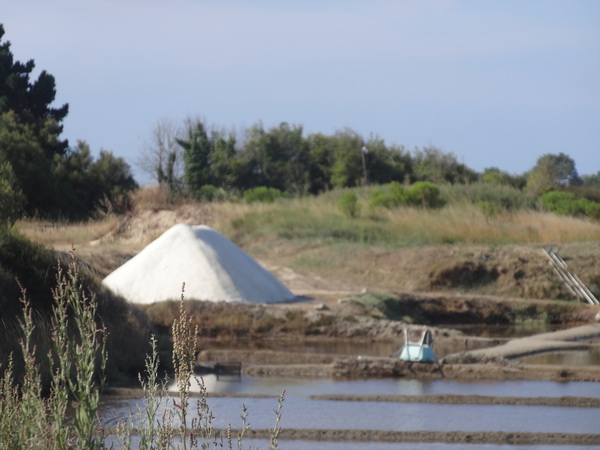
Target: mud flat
{"type": "Point", "coordinates": [386, 367]}
{"type": "Point", "coordinates": [449, 437]}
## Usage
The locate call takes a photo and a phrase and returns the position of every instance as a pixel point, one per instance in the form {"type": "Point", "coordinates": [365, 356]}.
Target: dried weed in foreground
{"type": "Point", "coordinates": [31, 420]}
{"type": "Point", "coordinates": [179, 426]}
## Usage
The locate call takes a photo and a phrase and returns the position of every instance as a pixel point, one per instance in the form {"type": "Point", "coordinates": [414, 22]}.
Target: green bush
{"type": "Point", "coordinates": [562, 203]}
{"type": "Point", "coordinates": [592, 209]}
{"type": "Point", "coordinates": [349, 205]}
{"type": "Point", "coordinates": [504, 197]}
{"type": "Point", "coordinates": [210, 193]}
{"type": "Point", "coordinates": [262, 194]}
{"type": "Point", "coordinates": [390, 196]}
{"type": "Point", "coordinates": [424, 193]}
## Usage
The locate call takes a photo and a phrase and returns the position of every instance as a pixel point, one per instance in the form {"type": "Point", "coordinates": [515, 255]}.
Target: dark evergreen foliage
{"type": "Point", "coordinates": [50, 179]}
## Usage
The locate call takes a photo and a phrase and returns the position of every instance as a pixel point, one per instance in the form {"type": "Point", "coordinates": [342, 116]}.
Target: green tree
{"type": "Point", "coordinates": [112, 180]}
{"type": "Point", "coordinates": [591, 180]}
{"type": "Point", "coordinates": [552, 171]}
{"type": "Point", "coordinates": [279, 158]}
{"type": "Point", "coordinates": [431, 164]}
{"type": "Point", "coordinates": [71, 171]}
{"type": "Point", "coordinates": [386, 164]}
{"type": "Point", "coordinates": [32, 170]}
{"type": "Point", "coordinates": [197, 152]}
{"type": "Point", "coordinates": [348, 169]}
{"type": "Point", "coordinates": [320, 162]}
{"type": "Point", "coordinates": [493, 175]}
{"type": "Point", "coordinates": [85, 184]}
{"type": "Point", "coordinates": [30, 129]}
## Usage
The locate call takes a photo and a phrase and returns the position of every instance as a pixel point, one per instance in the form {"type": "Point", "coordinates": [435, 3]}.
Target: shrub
{"type": "Point", "coordinates": [210, 193]}
{"type": "Point", "coordinates": [424, 193]}
{"type": "Point", "coordinates": [378, 198]}
{"type": "Point", "coordinates": [262, 194]}
{"type": "Point", "coordinates": [206, 192]}
{"type": "Point", "coordinates": [504, 197]}
{"type": "Point", "coordinates": [562, 203]}
{"type": "Point", "coordinates": [392, 196]}
{"type": "Point", "coordinates": [592, 209]}
{"type": "Point", "coordinates": [348, 204]}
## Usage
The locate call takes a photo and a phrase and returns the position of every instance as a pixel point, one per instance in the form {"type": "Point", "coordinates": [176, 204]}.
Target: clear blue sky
{"type": "Point", "coordinates": [497, 82]}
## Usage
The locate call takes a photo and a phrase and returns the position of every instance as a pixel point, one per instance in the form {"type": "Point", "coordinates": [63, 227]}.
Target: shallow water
{"type": "Point", "coordinates": [302, 412]}
{"type": "Point", "coordinates": [567, 358]}
{"type": "Point", "coordinates": [392, 386]}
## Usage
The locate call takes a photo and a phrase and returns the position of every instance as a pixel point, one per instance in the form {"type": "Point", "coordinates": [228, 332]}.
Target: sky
{"type": "Point", "coordinates": [498, 83]}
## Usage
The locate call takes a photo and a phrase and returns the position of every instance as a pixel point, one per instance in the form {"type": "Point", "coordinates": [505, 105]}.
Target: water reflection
{"type": "Point", "coordinates": [307, 387]}
{"type": "Point", "coordinates": [300, 411]}
{"type": "Point", "coordinates": [303, 413]}
{"type": "Point", "coordinates": [569, 358]}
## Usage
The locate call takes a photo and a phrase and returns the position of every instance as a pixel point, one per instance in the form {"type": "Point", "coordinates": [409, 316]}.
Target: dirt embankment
{"type": "Point", "coordinates": [448, 437]}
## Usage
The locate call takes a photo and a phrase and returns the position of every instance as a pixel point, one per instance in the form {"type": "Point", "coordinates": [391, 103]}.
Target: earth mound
{"type": "Point", "coordinates": [211, 266]}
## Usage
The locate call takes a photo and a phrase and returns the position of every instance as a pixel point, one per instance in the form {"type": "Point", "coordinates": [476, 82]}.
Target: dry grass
{"type": "Point", "coordinates": [320, 218]}
{"type": "Point", "coordinates": [63, 236]}
{"type": "Point", "coordinates": [468, 225]}
{"type": "Point", "coordinates": [402, 248]}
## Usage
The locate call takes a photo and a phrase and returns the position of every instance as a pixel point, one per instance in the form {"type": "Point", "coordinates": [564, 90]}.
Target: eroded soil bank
{"type": "Point", "coordinates": [449, 437]}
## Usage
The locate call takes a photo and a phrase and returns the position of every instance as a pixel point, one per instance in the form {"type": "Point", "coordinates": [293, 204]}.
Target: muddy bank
{"type": "Point", "coordinates": [389, 368]}
{"type": "Point", "coordinates": [453, 399]}
{"type": "Point", "coordinates": [449, 437]}
{"type": "Point", "coordinates": [483, 358]}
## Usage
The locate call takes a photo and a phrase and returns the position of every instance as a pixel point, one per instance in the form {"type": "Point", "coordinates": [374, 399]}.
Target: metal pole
{"type": "Point", "coordinates": [363, 152]}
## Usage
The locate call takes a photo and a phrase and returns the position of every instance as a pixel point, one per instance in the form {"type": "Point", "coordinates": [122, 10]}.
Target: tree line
{"type": "Point", "coordinates": [42, 175]}
{"type": "Point", "coordinates": [198, 161]}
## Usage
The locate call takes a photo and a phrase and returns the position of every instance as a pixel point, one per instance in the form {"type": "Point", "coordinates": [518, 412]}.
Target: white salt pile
{"type": "Point", "coordinates": [212, 267]}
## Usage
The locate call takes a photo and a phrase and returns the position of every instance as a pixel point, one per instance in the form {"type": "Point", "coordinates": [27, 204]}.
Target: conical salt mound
{"type": "Point", "coordinates": [211, 266]}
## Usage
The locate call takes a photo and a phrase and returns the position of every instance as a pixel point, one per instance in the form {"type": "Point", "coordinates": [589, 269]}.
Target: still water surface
{"type": "Point", "coordinates": [302, 412]}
